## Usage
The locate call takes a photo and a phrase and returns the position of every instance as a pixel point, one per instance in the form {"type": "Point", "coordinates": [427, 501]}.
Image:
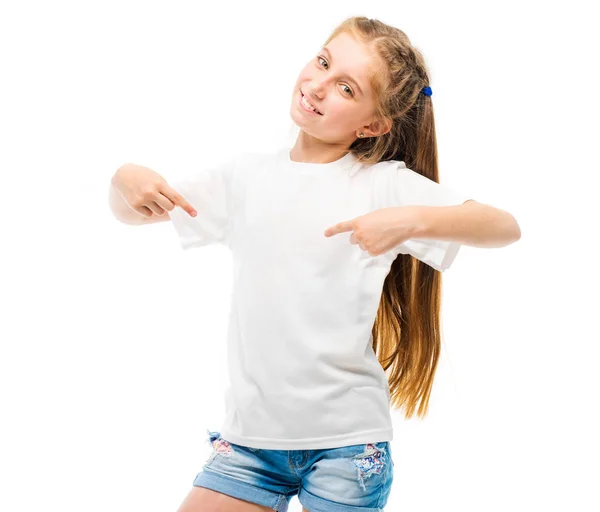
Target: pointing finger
{"type": "Point", "coordinates": [340, 227]}
{"type": "Point", "coordinates": [179, 200]}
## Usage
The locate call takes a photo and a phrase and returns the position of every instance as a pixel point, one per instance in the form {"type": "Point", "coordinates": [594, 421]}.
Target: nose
{"type": "Point", "coordinates": [318, 88]}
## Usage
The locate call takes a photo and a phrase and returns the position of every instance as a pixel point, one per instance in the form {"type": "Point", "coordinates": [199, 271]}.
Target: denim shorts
{"type": "Point", "coordinates": [356, 478]}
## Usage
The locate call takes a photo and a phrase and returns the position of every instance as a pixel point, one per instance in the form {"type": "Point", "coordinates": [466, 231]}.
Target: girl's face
{"type": "Point", "coordinates": [337, 83]}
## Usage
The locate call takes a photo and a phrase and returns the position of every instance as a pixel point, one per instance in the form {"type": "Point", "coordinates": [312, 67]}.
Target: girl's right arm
{"type": "Point", "coordinates": [138, 195]}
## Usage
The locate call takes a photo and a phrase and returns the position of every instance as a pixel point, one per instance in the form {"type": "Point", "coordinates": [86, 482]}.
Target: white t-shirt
{"type": "Point", "coordinates": [301, 364]}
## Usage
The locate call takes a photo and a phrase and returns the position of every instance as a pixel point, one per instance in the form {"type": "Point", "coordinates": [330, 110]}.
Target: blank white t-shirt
{"type": "Point", "coordinates": [301, 364]}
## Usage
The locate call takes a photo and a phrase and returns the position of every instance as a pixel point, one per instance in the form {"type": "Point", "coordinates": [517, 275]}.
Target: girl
{"type": "Point", "coordinates": [338, 246]}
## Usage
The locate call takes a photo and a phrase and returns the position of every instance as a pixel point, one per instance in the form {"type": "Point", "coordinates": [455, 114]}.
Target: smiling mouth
{"type": "Point", "coordinates": [315, 111]}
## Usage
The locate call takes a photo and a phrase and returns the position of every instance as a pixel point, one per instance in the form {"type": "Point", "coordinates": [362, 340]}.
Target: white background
{"type": "Point", "coordinates": [113, 359]}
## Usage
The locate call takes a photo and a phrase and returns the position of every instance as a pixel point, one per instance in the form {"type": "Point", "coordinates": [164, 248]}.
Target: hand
{"type": "Point", "coordinates": [380, 231]}
{"type": "Point", "coordinates": [147, 192]}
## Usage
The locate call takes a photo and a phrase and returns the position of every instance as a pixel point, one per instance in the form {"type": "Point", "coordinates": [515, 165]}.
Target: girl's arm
{"type": "Point", "coordinates": [472, 223]}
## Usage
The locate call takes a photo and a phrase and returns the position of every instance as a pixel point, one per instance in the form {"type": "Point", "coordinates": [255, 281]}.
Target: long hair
{"type": "Point", "coordinates": [406, 331]}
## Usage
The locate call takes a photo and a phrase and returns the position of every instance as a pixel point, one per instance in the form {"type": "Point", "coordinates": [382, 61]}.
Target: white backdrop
{"type": "Point", "coordinates": [112, 362]}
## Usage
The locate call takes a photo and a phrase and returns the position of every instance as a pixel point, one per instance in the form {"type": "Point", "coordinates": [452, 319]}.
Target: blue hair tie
{"type": "Point", "coordinates": [426, 91]}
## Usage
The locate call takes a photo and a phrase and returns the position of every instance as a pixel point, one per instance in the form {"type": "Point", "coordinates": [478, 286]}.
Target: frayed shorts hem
{"type": "Point", "coordinates": [316, 504]}
{"type": "Point", "coordinates": [241, 490]}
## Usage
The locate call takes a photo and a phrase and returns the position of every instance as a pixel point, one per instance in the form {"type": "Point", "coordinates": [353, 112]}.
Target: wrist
{"type": "Point", "coordinates": [421, 226]}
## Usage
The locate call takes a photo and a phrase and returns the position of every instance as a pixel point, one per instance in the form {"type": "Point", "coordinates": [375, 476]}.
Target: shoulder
{"type": "Point", "coordinates": [397, 171]}
{"type": "Point", "coordinates": [386, 166]}
{"type": "Point", "coordinates": [387, 169]}
{"type": "Point", "coordinates": [379, 170]}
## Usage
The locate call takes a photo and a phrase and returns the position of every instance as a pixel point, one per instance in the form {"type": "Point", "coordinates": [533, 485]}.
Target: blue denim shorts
{"type": "Point", "coordinates": [355, 478]}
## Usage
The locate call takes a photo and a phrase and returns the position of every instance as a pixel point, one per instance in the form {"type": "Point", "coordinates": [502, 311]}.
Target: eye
{"type": "Point", "coordinates": [319, 59]}
{"type": "Point", "coordinates": [351, 93]}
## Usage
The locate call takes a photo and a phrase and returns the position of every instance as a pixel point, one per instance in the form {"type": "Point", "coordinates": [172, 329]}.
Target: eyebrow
{"type": "Point", "coordinates": [347, 76]}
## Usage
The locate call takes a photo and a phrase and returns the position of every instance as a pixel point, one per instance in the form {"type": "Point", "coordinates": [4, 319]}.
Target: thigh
{"type": "Point", "coordinates": [201, 499]}
{"type": "Point", "coordinates": [241, 478]}
{"type": "Point", "coordinates": [349, 478]}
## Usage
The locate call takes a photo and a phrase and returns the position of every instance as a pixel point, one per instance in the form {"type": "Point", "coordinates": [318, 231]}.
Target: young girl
{"type": "Point", "coordinates": [338, 248]}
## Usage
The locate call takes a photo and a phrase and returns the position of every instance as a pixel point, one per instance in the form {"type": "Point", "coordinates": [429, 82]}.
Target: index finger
{"type": "Point", "coordinates": [340, 227]}
{"type": "Point", "coordinates": [178, 200]}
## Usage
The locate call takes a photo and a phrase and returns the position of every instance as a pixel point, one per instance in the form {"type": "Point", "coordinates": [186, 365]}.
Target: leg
{"type": "Point", "coordinates": [201, 499]}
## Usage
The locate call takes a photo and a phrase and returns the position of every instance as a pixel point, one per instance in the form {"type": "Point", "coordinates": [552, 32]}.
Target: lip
{"type": "Point", "coordinates": [304, 108]}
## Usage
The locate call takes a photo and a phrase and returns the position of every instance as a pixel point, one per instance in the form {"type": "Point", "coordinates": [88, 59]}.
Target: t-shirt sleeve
{"type": "Point", "coordinates": [407, 188]}
{"type": "Point", "coordinates": [210, 192]}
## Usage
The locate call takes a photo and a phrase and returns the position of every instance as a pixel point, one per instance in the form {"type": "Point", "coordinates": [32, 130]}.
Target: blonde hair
{"type": "Point", "coordinates": [406, 331]}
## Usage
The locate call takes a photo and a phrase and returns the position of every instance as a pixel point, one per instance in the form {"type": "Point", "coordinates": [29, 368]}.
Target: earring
{"type": "Point", "coordinates": [361, 135]}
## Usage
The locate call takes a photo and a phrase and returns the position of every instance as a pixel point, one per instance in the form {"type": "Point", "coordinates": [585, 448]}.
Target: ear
{"type": "Point", "coordinates": [378, 127]}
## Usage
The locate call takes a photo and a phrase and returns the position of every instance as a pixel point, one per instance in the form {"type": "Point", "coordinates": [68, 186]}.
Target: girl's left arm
{"type": "Point", "coordinates": [471, 223]}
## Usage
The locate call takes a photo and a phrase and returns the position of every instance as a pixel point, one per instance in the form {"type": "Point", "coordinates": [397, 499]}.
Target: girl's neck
{"type": "Point", "coordinates": [317, 153]}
